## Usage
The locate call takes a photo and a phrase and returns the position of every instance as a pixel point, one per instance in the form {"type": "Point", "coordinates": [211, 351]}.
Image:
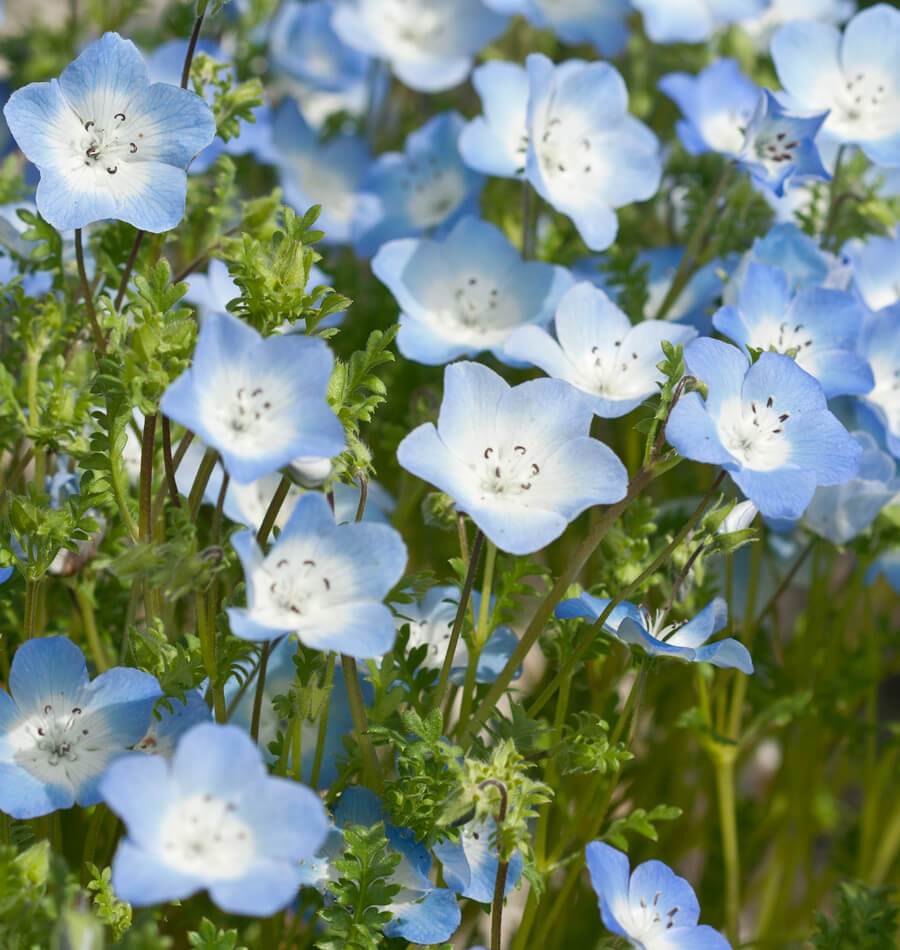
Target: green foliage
{"type": "Point", "coordinates": [639, 822]}
{"type": "Point", "coordinates": [585, 747]}
{"type": "Point", "coordinates": [210, 937]}
{"type": "Point", "coordinates": [355, 919]}
{"type": "Point", "coordinates": [114, 913]}
{"type": "Point", "coordinates": [864, 918]}
{"type": "Point", "coordinates": [233, 102]}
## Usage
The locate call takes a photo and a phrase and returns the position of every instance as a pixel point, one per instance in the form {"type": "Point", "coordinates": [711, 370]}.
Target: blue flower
{"type": "Point", "coordinates": [716, 104]}
{"type": "Point", "coordinates": [653, 909]}
{"type": "Point", "coordinates": [430, 622]}
{"type": "Point", "coordinates": [518, 460]}
{"type": "Point", "coordinates": [818, 326]}
{"type": "Point", "coordinates": [692, 21]}
{"type": "Point", "coordinates": [211, 819]}
{"type": "Point", "coordinates": [796, 254]}
{"type": "Point", "coordinates": [767, 425]}
{"type": "Point", "coordinates": [855, 78]}
{"type": "Point", "coordinates": [425, 187]}
{"type": "Point", "coordinates": [602, 23]}
{"type": "Point", "coordinates": [586, 155]}
{"type": "Point", "coordinates": [888, 567]}
{"type": "Point", "coordinates": [259, 401]}
{"type": "Point", "coordinates": [6, 573]}
{"type": "Point", "coordinates": [465, 293]}
{"type": "Point", "coordinates": [880, 345]}
{"type": "Point", "coordinates": [422, 913]}
{"type": "Point", "coordinates": [876, 266]}
{"type": "Point", "coordinates": [428, 43]}
{"type": "Point", "coordinates": [321, 580]}
{"type": "Point", "coordinates": [109, 144]}
{"type": "Point", "coordinates": [171, 721]}
{"type": "Point", "coordinates": [599, 351]}
{"type": "Point", "coordinates": [496, 143]}
{"type": "Point", "coordinates": [635, 626]}
{"type": "Point", "coordinates": [470, 864]}
{"type": "Point", "coordinates": [323, 173]}
{"type": "Point", "coordinates": [59, 731]}
{"type": "Point", "coordinates": [841, 512]}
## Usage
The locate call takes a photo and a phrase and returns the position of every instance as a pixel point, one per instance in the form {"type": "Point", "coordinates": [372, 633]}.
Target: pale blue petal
{"type": "Point", "coordinates": [138, 789]}
{"type": "Point", "coordinates": [142, 879]}
{"type": "Point", "coordinates": [782, 493]}
{"type": "Point", "coordinates": [434, 919]}
{"type": "Point", "coordinates": [608, 869]}
{"type": "Point", "coordinates": [654, 878]}
{"type": "Point", "coordinates": [692, 432]}
{"type": "Point", "coordinates": [47, 670]}
{"type": "Point", "coordinates": [217, 760]}
{"type": "Point", "coordinates": [700, 628]}
{"type": "Point", "coordinates": [125, 698]}
{"type": "Point", "coordinates": [268, 886]}
{"type": "Point", "coordinates": [728, 654]}
{"type": "Point", "coordinates": [23, 796]}
{"type": "Point", "coordinates": [362, 629]}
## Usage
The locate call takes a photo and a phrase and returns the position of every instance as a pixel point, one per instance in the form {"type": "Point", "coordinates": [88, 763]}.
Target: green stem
{"type": "Point", "coordinates": [529, 220]}
{"type": "Point", "coordinates": [297, 748]}
{"type": "Point", "coordinates": [482, 630]}
{"type": "Point", "coordinates": [207, 634]}
{"type": "Point", "coordinates": [88, 296]}
{"type": "Point", "coordinates": [728, 822]}
{"type": "Point", "coordinates": [271, 515]}
{"type": "Point", "coordinates": [833, 197]}
{"type": "Point", "coordinates": [371, 771]}
{"type": "Point", "coordinates": [31, 601]}
{"type": "Point", "coordinates": [89, 623]}
{"type": "Point", "coordinates": [201, 480]}
{"type": "Point", "coordinates": [34, 416]}
{"type": "Point", "coordinates": [323, 724]}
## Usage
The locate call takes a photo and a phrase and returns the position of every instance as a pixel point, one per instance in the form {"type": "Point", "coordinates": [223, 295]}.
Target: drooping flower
{"type": "Point", "coordinates": [211, 819]}
{"type": "Point", "coordinates": [599, 351]}
{"type": "Point", "coordinates": [841, 512]}
{"type": "Point", "coordinates": [259, 401]}
{"type": "Point", "coordinates": [322, 173]}
{"type": "Point", "coordinates": [429, 44]}
{"type": "Point", "coordinates": [587, 155]}
{"type": "Point", "coordinates": [880, 345]}
{"type": "Point", "coordinates": [767, 425]}
{"type": "Point", "coordinates": [171, 720]}
{"type": "Point", "coordinates": [652, 908]}
{"type": "Point", "coordinates": [876, 270]}
{"type": "Point", "coordinates": [430, 623]}
{"type": "Point", "coordinates": [470, 864]}
{"type": "Point", "coordinates": [855, 77]}
{"type": "Point", "coordinates": [602, 23]}
{"type": "Point", "coordinates": [692, 21]}
{"type": "Point", "coordinates": [496, 143]}
{"type": "Point", "coordinates": [107, 142]}
{"type": "Point", "coordinates": [819, 327]}
{"type": "Point", "coordinates": [321, 580]}
{"type": "Point", "coordinates": [465, 293]}
{"type": "Point", "coordinates": [59, 731]}
{"type": "Point", "coordinates": [423, 188]}
{"type": "Point", "coordinates": [636, 626]}
{"type": "Point", "coordinates": [518, 460]}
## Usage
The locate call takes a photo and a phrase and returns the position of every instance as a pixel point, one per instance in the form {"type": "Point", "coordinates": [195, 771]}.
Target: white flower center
{"type": "Point", "coordinates": [754, 434]}
{"type": "Point", "coordinates": [297, 591]}
{"type": "Point", "coordinates": [612, 373]}
{"type": "Point", "coordinates": [864, 100]}
{"type": "Point", "coordinates": [203, 835]}
{"type": "Point", "coordinates": [566, 154]}
{"type": "Point", "coordinates": [475, 304]}
{"type": "Point", "coordinates": [774, 145]}
{"type": "Point", "coordinates": [105, 144]}
{"type": "Point", "coordinates": [650, 919]}
{"type": "Point", "coordinates": [507, 471]}
{"type": "Point", "coordinates": [246, 410]}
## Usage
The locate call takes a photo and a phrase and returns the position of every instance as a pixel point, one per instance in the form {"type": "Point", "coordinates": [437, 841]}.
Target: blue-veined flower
{"type": "Point", "coordinates": [59, 731]}
{"type": "Point", "coordinates": [428, 43]}
{"type": "Point", "coordinates": [586, 154]}
{"type": "Point", "coordinates": [259, 401]}
{"type": "Point", "coordinates": [598, 351]}
{"type": "Point", "coordinates": [855, 77]}
{"type": "Point", "coordinates": [876, 270]}
{"type": "Point", "coordinates": [652, 908]}
{"type": "Point", "coordinates": [767, 425]}
{"type": "Point", "coordinates": [880, 345]}
{"type": "Point", "coordinates": [324, 581]}
{"type": "Point", "coordinates": [423, 188]}
{"type": "Point", "coordinates": [818, 326]}
{"type": "Point", "coordinates": [602, 23]}
{"type": "Point", "coordinates": [469, 865]}
{"type": "Point", "coordinates": [692, 21]}
{"type": "Point", "coordinates": [107, 142]}
{"type": "Point", "coordinates": [636, 626]}
{"type": "Point", "coordinates": [518, 460]}
{"type": "Point", "coordinates": [212, 819]}
{"type": "Point", "coordinates": [465, 293]}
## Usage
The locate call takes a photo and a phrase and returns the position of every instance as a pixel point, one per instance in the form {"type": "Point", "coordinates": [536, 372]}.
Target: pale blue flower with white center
{"type": "Point", "coordinates": [587, 156]}
{"type": "Point", "coordinates": [422, 913]}
{"type": "Point", "coordinates": [59, 731]}
{"type": "Point", "coordinates": [430, 624]}
{"type": "Point", "coordinates": [425, 188]}
{"type": "Point", "coordinates": [466, 292]}
{"type": "Point", "coordinates": [636, 626]}
{"type": "Point", "coordinates": [470, 864]}
{"type": "Point", "coordinates": [321, 173]}
{"type": "Point", "coordinates": [880, 345]}
{"type": "Point", "coordinates": [430, 44]}
{"type": "Point", "coordinates": [692, 21]}
{"type": "Point", "coordinates": [767, 425]}
{"type": "Point", "coordinates": [841, 512]}
{"type": "Point", "coordinates": [652, 907]}
{"type": "Point", "coordinates": [602, 23]}
{"type": "Point", "coordinates": [817, 326]}
{"type": "Point", "coordinates": [717, 105]}
{"type": "Point", "coordinates": [517, 459]}
{"type": "Point", "coordinates": [211, 819]}
{"type": "Point", "coordinates": [171, 720]}
{"type": "Point", "coordinates": [797, 255]}
{"type": "Point", "coordinates": [260, 402]}
{"type": "Point", "coordinates": [778, 12]}
{"type": "Point", "coordinates": [854, 76]}
{"type": "Point", "coordinates": [598, 351]}
{"type": "Point", "coordinates": [107, 142]}
{"type": "Point", "coordinates": [876, 270]}
{"type": "Point", "coordinates": [324, 581]}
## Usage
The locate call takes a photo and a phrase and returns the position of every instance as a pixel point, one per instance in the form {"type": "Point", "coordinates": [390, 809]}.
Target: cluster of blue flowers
{"type": "Point", "coordinates": [791, 388]}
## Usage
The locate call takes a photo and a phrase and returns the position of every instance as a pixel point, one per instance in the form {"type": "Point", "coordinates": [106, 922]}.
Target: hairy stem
{"type": "Point", "coordinates": [88, 295]}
